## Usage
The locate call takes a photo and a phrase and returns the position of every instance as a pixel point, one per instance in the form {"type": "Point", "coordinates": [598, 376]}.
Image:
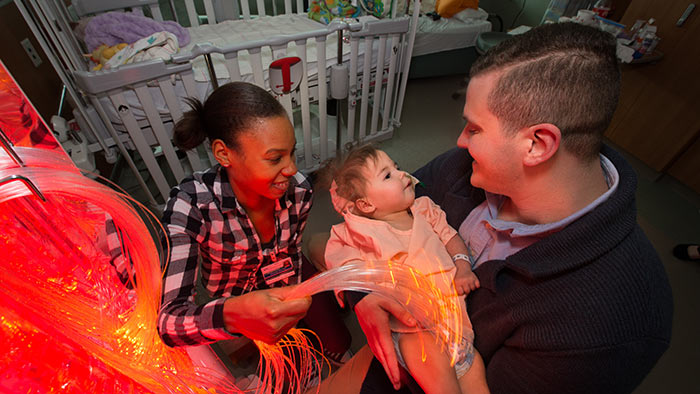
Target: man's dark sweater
{"type": "Point", "coordinates": [586, 310]}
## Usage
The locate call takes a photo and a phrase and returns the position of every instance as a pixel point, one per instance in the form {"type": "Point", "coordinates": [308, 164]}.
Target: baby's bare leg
{"type": "Point", "coordinates": [435, 375]}
{"type": "Point", "coordinates": [474, 380]}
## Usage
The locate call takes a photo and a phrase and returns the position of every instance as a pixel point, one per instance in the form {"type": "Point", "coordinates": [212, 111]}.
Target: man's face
{"type": "Point", "coordinates": [496, 167]}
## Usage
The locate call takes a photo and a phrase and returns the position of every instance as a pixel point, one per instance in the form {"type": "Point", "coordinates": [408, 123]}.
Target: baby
{"type": "Point", "coordinates": [384, 221]}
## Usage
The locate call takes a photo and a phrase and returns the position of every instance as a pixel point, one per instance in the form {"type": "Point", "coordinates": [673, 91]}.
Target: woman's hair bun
{"type": "Point", "coordinates": [190, 131]}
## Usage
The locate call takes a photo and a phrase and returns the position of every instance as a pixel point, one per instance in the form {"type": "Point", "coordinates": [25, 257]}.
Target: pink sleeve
{"type": "Point", "coordinates": [436, 217]}
{"type": "Point", "coordinates": [339, 252]}
{"type": "Point", "coordinates": [338, 249]}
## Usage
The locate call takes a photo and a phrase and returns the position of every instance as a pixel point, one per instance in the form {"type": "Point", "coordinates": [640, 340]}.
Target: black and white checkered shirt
{"type": "Point", "coordinates": [204, 222]}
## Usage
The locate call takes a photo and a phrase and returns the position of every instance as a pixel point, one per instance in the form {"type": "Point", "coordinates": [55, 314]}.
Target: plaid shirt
{"type": "Point", "coordinates": [203, 220]}
{"type": "Point", "coordinates": [115, 251]}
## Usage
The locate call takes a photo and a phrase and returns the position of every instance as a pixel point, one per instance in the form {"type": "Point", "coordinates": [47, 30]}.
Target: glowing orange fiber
{"type": "Point", "coordinates": [68, 323]}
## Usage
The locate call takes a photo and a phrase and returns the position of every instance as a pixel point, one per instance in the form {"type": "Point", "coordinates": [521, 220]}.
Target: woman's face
{"type": "Point", "coordinates": [264, 161]}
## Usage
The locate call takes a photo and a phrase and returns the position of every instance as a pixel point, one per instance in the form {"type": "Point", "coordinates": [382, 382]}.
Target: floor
{"type": "Point", "coordinates": [668, 212]}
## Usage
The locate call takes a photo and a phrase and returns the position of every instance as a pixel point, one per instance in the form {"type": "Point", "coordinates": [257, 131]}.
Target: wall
{"type": "Point", "coordinates": [41, 84]}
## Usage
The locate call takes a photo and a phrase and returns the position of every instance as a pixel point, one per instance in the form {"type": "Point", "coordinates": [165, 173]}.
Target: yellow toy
{"type": "Point", "coordinates": [447, 8]}
{"type": "Point", "coordinates": [103, 53]}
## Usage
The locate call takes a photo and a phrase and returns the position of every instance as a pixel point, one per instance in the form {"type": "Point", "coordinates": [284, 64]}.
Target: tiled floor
{"type": "Point", "coordinates": [668, 213]}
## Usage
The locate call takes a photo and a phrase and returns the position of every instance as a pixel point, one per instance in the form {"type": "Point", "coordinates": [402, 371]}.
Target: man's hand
{"type": "Point", "coordinates": [373, 315]}
{"type": "Point", "coordinates": [264, 314]}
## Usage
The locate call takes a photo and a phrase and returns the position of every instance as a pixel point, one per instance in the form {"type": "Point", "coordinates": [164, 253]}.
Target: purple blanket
{"type": "Point", "coordinates": [113, 28]}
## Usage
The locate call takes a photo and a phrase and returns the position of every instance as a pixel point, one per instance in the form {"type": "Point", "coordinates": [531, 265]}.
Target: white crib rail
{"type": "Point", "coordinates": [378, 89]}
{"type": "Point", "coordinates": [313, 153]}
{"type": "Point", "coordinates": [143, 78]}
{"type": "Point", "coordinates": [89, 7]}
{"type": "Point", "coordinates": [115, 84]}
{"type": "Point", "coordinates": [60, 35]}
{"type": "Point", "coordinates": [322, 97]}
{"type": "Point", "coordinates": [364, 100]}
{"type": "Point", "coordinates": [373, 34]}
{"type": "Point", "coordinates": [228, 9]}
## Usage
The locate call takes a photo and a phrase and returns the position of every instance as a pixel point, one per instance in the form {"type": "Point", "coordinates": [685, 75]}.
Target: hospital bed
{"type": "Point", "coordinates": [447, 45]}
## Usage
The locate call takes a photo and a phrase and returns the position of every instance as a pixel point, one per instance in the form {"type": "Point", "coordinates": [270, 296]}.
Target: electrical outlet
{"type": "Point", "coordinates": [31, 52]}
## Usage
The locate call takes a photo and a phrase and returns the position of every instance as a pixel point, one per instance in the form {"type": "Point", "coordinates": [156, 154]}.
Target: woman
{"type": "Point", "coordinates": [240, 224]}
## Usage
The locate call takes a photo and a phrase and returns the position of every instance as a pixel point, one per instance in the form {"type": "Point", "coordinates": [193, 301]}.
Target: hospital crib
{"type": "Point", "coordinates": [132, 108]}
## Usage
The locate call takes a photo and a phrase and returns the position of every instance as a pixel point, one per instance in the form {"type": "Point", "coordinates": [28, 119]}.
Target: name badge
{"type": "Point", "coordinates": [277, 271]}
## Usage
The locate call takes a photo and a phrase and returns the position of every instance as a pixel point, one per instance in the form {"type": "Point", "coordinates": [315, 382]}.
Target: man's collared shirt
{"type": "Point", "coordinates": [489, 238]}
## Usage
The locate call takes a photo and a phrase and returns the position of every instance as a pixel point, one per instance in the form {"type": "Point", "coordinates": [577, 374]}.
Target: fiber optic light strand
{"type": "Point", "coordinates": [69, 323]}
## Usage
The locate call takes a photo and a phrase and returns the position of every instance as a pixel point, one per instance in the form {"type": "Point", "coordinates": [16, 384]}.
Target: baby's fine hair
{"type": "Point", "coordinates": [347, 171]}
{"type": "Point", "coordinates": [228, 111]}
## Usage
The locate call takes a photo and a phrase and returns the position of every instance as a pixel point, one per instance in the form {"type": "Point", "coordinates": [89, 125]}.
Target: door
{"type": "Point", "coordinates": [658, 117]}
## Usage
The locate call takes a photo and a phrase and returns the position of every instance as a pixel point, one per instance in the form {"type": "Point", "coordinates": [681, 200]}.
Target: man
{"type": "Point", "coordinates": [573, 297]}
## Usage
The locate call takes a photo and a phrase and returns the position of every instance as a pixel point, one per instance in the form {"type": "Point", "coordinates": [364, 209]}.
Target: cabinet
{"type": "Point", "coordinates": [658, 118]}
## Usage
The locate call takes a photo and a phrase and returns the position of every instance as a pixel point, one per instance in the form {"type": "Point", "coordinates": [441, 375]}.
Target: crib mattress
{"type": "Point", "coordinates": [447, 34]}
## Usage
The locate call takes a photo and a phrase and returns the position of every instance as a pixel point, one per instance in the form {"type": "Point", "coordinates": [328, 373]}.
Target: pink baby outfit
{"type": "Point", "coordinates": [422, 247]}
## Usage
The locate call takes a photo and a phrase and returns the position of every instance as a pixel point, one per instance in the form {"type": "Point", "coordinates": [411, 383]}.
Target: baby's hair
{"type": "Point", "coordinates": [228, 111]}
{"type": "Point", "coordinates": [347, 172]}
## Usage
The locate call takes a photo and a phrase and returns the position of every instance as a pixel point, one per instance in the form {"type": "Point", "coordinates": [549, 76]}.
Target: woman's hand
{"type": "Point", "coordinates": [264, 315]}
{"type": "Point", "coordinates": [373, 315]}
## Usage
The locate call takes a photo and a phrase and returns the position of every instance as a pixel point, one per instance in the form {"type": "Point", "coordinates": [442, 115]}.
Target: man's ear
{"type": "Point", "coordinates": [221, 152]}
{"type": "Point", "coordinates": [364, 206]}
{"type": "Point", "coordinates": [543, 142]}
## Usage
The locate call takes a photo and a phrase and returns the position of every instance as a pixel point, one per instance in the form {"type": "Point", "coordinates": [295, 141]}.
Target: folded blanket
{"type": "Point", "coordinates": [159, 45]}
{"type": "Point", "coordinates": [112, 28]}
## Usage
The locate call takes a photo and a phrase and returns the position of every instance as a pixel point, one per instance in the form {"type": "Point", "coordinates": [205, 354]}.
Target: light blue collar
{"type": "Point", "coordinates": [517, 229]}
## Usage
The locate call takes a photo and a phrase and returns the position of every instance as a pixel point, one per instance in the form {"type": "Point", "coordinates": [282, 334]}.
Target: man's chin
{"type": "Point", "coordinates": [474, 180]}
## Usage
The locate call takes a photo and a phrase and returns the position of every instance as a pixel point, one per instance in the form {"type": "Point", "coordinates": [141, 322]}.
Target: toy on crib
{"type": "Point", "coordinates": [375, 8]}
{"type": "Point", "coordinates": [103, 53]}
{"type": "Point", "coordinates": [325, 11]}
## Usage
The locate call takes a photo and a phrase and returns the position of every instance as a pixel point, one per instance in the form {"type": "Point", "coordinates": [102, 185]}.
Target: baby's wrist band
{"type": "Point", "coordinates": [460, 256]}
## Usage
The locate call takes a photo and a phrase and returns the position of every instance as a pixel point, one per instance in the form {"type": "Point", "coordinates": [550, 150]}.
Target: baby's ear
{"type": "Point", "coordinates": [364, 206]}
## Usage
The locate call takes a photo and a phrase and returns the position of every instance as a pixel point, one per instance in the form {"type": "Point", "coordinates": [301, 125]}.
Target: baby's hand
{"type": "Point", "coordinates": [465, 281]}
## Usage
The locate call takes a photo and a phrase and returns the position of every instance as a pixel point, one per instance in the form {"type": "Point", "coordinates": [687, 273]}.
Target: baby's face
{"type": "Point", "coordinates": [388, 188]}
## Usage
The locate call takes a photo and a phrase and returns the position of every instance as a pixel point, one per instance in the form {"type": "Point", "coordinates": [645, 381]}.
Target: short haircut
{"type": "Point", "coordinates": [565, 74]}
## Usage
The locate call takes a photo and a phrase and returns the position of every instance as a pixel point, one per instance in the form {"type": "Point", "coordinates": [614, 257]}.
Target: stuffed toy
{"type": "Point", "coordinates": [447, 8]}
{"type": "Point", "coordinates": [325, 11]}
{"type": "Point", "coordinates": [103, 53]}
